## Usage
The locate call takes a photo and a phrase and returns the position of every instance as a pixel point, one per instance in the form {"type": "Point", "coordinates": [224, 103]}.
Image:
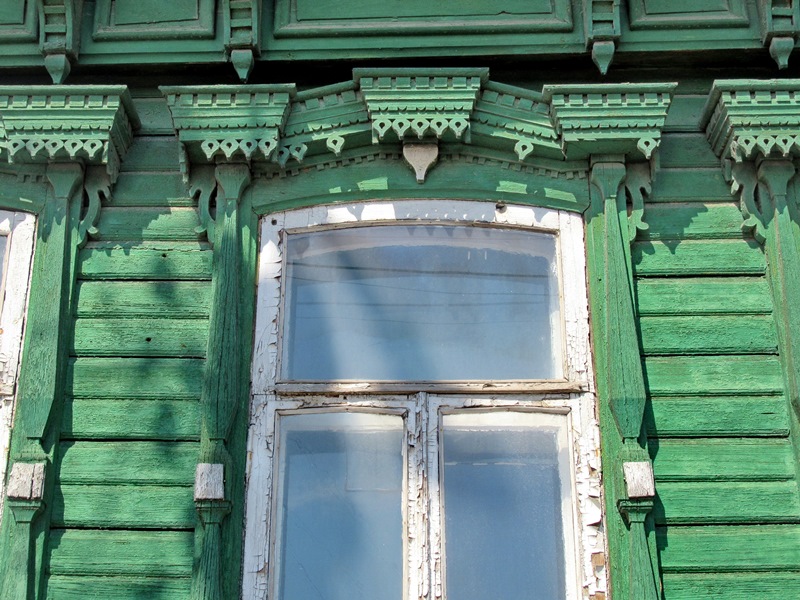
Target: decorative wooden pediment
{"type": "Point", "coordinates": [609, 119]}
{"type": "Point", "coordinates": [88, 124]}
{"type": "Point", "coordinates": [243, 122]}
{"type": "Point", "coordinates": [745, 118]}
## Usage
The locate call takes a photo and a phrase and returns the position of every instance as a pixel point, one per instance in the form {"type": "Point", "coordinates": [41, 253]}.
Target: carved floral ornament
{"type": "Point", "coordinates": [92, 125]}
{"type": "Point", "coordinates": [381, 108]}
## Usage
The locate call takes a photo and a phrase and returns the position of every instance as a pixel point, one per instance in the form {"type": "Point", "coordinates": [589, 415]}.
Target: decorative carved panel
{"type": "Point", "coordinates": [153, 19]}
{"type": "Point", "coordinates": [18, 21]}
{"type": "Point", "coordinates": [672, 14]}
{"type": "Point", "coordinates": [407, 17]}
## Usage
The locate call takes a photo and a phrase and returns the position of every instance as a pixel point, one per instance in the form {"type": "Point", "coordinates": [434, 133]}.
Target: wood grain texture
{"type": "Point", "coordinates": [713, 375]}
{"type": "Point", "coordinates": [700, 503]}
{"type": "Point", "coordinates": [151, 188]}
{"type": "Point", "coordinates": [703, 296]}
{"type": "Point", "coordinates": [732, 586]}
{"type": "Point", "coordinates": [140, 337]}
{"type": "Point", "coordinates": [110, 419]}
{"type": "Point", "coordinates": [152, 153]}
{"type": "Point", "coordinates": [165, 299]}
{"type": "Point", "coordinates": [124, 506]}
{"type": "Point", "coordinates": [708, 335]}
{"type": "Point", "coordinates": [121, 552]}
{"type": "Point", "coordinates": [174, 261]}
{"type": "Point", "coordinates": [722, 460]}
{"type": "Point", "coordinates": [694, 186]}
{"type": "Point", "coordinates": [149, 223]}
{"type": "Point", "coordinates": [168, 378]}
{"type": "Point", "coordinates": [76, 587]}
{"type": "Point", "coordinates": [721, 416]}
{"type": "Point", "coordinates": [695, 257]}
{"type": "Point", "coordinates": [730, 548]}
{"type": "Point", "coordinates": [687, 150]}
{"type": "Point", "coordinates": [132, 463]}
{"type": "Point", "coordinates": [692, 221]}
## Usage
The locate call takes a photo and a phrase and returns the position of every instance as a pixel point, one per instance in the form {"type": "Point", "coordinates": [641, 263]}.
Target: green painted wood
{"type": "Point", "coordinates": [722, 459]}
{"type": "Point", "coordinates": [153, 113]}
{"type": "Point", "coordinates": [690, 221]}
{"type": "Point", "coordinates": [130, 420]}
{"type": "Point", "coordinates": [686, 150]}
{"type": "Point", "coordinates": [723, 416]}
{"type": "Point", "coordinates": [65, 587]}
{"type": "Point", "coordinates": [152, 153]}
{"type": "Point", "coordinates": [148, 223]}
{"type": "Point", "coordinates": [124, 506]}
{"type": "Point", "coordinates": [685, 110]}
{"type": "Point", "coordinates": [121, 552]}
{"type": "Point", "coordinates": [183, 261]}
{"type": "Point", "coordinates": [140, 337]}
{"type": "Point", "coordinates": [749, 334]}
{"type": "Point", "coordinates": [703, 295]}
{"type": "Point", "coordinates": [115, 378]}
{"type": "Point", "coordinates": [148, 299]}
{"type": "Point", "coordinates": [732, 586]}
{"type": "Point", "coordinates": [706, 185]}
{"type": "Point", "coordinates": [713, 375]}
{"type": "Point", "coordinates": [128, 463]}
{"type": "Point", "coordinates": [716, 257]}
{"type": "Point", "coordinates": [153, 188]}
{"type": "Point", "coordinates": [702, 503]}
{"type": "Point", "coordinates": [730, 548]}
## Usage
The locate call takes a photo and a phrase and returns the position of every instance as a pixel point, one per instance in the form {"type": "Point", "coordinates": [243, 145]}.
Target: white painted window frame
{"type": "Point", "coordinates": [20, 228]}
{"type": "Point", "coordinates": [572, 396]}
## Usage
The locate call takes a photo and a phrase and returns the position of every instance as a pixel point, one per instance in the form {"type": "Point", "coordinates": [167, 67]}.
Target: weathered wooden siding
{"type": "Point", "coordinates": [728, 513]}
{"type": "Point", "coordinates": [123, 520]}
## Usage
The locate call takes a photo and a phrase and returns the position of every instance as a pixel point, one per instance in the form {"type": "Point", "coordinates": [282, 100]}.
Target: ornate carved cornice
{"type": "Point", "coordinates": [745, 118]}
{"type": "Point", "coordinates": [411, 104]}
{"type": "Point", "coordinates": [609, 118]}
{"type": "Point", "coordinates": [88, 124]}
{"type": "Point", "coordinates": [228, 122]}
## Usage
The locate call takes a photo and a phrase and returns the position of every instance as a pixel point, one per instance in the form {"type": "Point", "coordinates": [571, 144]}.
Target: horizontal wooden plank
{"type": "Point", "coordinates": [692, 221]}
{"type": "Point", "coordinates": [116, 378]}
{"type": "Point", "coordinates": [699, 503]}
{"type": "Point", "coordinates": [124, 506]}
{"type": "Point", "coordinates": [730, 548]}
{"type": "Point", "coordinates": [140, 337]}
{"type": "Point", "coordinates": [726, 459]}
{"type": "Point", "coordinates": [685, 110]}
{"type": "Point", "coordinates": [152, 153]}
{"type": "Point", "coordinates": [148, 223]}
{"type": "Point", "coordinates": [708, 334]}
{"type": "Point", "coordinates": [678, 149]}
{"type": "Point", "coordinates": [131, 419]}
{"type": "Point", "coordinates": [695, 257]}
{"type": "Point", "coordinates": [713, 375]}
{"type": "Point", "coordinates": [172, 299]}
{"type": "Point", "coordinates": [732, 586]}
{"type": "Point", "coordinates": [121, 552]}
{"type": "Point", "coordinates": [66, 587]}
{"type": "Point", "coordinates": [703, 295]}
{"type": "Point", "coordinates": [690, 185]}
{"type": "Point", "coordinates": [154, 116]}
{"type": "Point", "coordinates": [121, 463]}
{"type": "Point", "coordinates": [187, 261]}
{"type": "Point", "coordinates": [151, 189]}
{"type": "Point", "coordinates": [722, 416]}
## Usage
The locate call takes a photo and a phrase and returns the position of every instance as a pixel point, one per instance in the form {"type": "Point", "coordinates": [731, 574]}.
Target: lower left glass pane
{"type": "Point", "coordinates": [338, 518]}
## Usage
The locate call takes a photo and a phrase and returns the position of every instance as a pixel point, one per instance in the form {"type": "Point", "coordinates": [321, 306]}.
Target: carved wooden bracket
{"type": "Point", "coordinates": [610, 118]}
{"type": "Point", "coordinates": [223, 123]}
{"type": "Point", "coordinates": [59, 35]}
{"type": "Point", "coordinates": [242, 34]}
{"type": "Point", "coordinates": [602, 30]}
{"type": "Point", "coordinates": [780, 25]}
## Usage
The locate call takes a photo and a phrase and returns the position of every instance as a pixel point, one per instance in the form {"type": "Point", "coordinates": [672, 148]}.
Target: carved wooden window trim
{"type": "Point", "coordinates": [19, 229]}
{"type": "Point", "coordinates": [572, 397]}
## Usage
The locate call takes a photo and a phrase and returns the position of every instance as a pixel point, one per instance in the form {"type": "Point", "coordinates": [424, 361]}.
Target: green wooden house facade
{"type": "Point", "coordinates": [156, 156]}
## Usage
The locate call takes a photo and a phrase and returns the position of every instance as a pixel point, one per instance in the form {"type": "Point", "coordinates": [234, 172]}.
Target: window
{"type": "Point", "coordinates": [16, 251]}
{"type": "Point", "coordinates": [418, 427]}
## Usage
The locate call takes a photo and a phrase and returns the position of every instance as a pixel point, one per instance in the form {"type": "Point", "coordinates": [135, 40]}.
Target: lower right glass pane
{"type": "Point", "coordinates": [507, 505]}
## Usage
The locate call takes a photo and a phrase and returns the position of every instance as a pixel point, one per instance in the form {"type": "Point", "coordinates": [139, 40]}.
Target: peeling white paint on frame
{"type": "Point", "coordinates": [20, 231]}
{"type": "Point", "coordinates": [574, 396]}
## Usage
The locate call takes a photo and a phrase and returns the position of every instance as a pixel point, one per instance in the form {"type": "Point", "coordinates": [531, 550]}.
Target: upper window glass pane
{"type": "Point", "coordinates": [421, 303]}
